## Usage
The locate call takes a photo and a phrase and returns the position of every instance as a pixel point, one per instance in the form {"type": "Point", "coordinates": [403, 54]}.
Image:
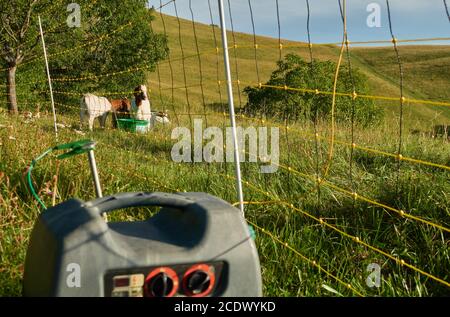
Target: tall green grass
{"type": "Point", "coordinates": [129, 162]}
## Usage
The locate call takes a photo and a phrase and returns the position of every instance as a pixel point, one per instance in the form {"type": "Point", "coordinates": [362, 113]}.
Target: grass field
{"type": "Point", "coordinates": [135, 162]}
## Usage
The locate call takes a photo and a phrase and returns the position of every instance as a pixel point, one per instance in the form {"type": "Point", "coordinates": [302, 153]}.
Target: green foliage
{"type": "Point", "coordinates": [134, 45]}
{"type": "Point", "coordinates": [294, 72]}
{"type": "Point", "coordinates": [115, 35]}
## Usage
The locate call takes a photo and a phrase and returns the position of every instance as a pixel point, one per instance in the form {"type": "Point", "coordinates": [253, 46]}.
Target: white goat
{"type": "Point", "coordinates": [94, 107]}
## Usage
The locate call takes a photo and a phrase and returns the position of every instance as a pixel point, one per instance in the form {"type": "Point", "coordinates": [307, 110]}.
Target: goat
{"type": "Point", "coordinates": [94, 107]}
{"type": "Point", "coordinates": [121, 110]}
{"type": "Point", "coordinates": [141, 105]}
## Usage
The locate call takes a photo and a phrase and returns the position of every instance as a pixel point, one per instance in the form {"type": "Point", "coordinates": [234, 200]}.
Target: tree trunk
{"type": "Point", "coordinates": [11, 90]}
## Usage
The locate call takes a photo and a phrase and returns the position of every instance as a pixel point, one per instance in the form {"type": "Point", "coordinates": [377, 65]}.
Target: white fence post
{"type": "Point", "coordinates": [49, 79]}
{"type": "Point", "coordinates": [231, 106]}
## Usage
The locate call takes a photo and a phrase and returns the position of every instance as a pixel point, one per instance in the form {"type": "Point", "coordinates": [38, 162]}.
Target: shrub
{"type": "Point", "coordinates": [294, 72]}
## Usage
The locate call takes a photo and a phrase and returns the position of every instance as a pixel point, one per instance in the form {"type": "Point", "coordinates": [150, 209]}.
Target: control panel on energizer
{"type": "Point", "coordinates": [196, 280]}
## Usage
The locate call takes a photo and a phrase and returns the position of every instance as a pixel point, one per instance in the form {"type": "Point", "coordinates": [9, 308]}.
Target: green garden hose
{"type": "Point", "coordinates": [75, 148]}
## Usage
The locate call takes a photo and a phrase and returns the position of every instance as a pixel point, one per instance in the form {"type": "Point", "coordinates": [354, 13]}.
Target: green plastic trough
{"type": "Point", "coordinates": [131, 125]}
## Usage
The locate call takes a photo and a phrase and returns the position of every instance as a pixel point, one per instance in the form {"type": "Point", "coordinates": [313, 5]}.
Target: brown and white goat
{"type": "Point", "coordinates": [120, 110]}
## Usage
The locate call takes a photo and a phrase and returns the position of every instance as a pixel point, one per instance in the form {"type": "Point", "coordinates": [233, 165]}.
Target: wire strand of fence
{"type": "Point", "coordinates": [259, 46]}
{"type": "Point", "coordinates": [66, 51]}
{"type": "Point", "coordinates": [169, 60]}
{"type": "Point", "coordinates": [286, 110]}
{"type": "Point", "coordinates": [343, 94]}
{"type": "Point", "coordinates": [375, 97]}
{"type": "Point", "coordinates": [358, 196]}
{"type": "Point", "coordinates": [255, 54]}
{"type": "Point", "coordinates": [259, 85]}
{"type": "Point", "coordinates": [333, 101]}
{"type": "Point", "coordinates": [37, 57]}
{"type": "Point", "coordinates": [351, 194]}
{"type": "Point", "coordinates": [118, 93]}
{"type": "Point", "coordinates": [217, 50]}
{"type": "Point", "coordinates": [200, 70]}
{"type": "Point", "coordinates": [258, 78]}
{"type": "Point", "coordinates": [402, 98]}
{"type": "Point", "coordinates": [288, 46]}
{"type": "Point", "coordinates": [302, 45]}
{"type": "Point", "coordinates": [43, 14]}
{"type": "Point", "coordinates": [316, 110]}
{"type": "Point", "coordinates": [222, 104]}
{"type": "Point", "coordinates": [265, 231]}
{"type": "Point", "coordinates": [164, 5]}
{"type": "Point", "coordinates": [158, 72]}
{"type": "Point", "coordinates": [183, 63]}
{"type": "Point", "coordinates": [356, 239]}
{"type": "Point", "coordinates": [217, 69]}
{"type": "Point", "coordinates": [413, 40]}
{"type": "Point", "coordinates": [197, 49]}
{"type": "Point", "coordinates": [236, 63]}
{"type": "Point", "coordinates": [352, 116]}
{"type": "Point", "coordinates": [312, 136]}
{"type": "Point", "coordinates": [305, 258]}
{"type": "Point", "coordinates": [287, 88]}
{"type": "Point", "coordinates": [446, 10]}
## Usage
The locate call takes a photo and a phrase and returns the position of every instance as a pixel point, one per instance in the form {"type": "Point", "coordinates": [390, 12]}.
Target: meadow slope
{"type": "Point", "coordinates": [426, 67]}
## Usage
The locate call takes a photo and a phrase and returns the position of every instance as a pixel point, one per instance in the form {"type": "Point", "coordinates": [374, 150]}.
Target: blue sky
{"type": "Point", "coordinates": [411, 18]}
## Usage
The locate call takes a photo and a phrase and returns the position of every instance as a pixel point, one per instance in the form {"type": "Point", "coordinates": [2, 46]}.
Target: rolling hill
{"type": "Point", "coordinates": [426, 68]}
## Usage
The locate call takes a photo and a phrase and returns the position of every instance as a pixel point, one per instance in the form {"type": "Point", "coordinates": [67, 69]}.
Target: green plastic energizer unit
{"type": "Point", "coordinates": [196, 245]}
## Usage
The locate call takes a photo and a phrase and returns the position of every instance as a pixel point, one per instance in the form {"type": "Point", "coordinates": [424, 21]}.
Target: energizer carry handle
{"type": "Point", "coordinates": [140, 199]}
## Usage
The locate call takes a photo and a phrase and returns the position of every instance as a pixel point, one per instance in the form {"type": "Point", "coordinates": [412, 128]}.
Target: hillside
{"type": "Point", "coordinates": [426, 68]}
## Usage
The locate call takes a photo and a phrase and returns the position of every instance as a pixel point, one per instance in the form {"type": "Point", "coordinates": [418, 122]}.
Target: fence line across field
{"type": "Point", "coordinates": [322, 222]}
{"type": "Point", "coordinates": [317, 219]}
{"type": "Point", "coordinates": [353, 95]}
{"type": "Point", "coordinates": [343, 233]}
{"type": "Point", "coordinates": [261, 85]}
{"type": "Point", "coordinates": [317, 180]}
{"type": "Point", "coordinates": [265, 231]}
{"type": "Point", "coordinates": [311, 136]}
{"type": "Point", "coordinates": [352, 194]}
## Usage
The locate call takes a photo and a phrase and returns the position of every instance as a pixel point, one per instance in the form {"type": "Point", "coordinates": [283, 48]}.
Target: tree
{"type": "Point", "coordinates": [105, 42]}
{"type": "Point", "coordinates": [16, 19]}
{"type": "Point", "coordinates": [294, 72]}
